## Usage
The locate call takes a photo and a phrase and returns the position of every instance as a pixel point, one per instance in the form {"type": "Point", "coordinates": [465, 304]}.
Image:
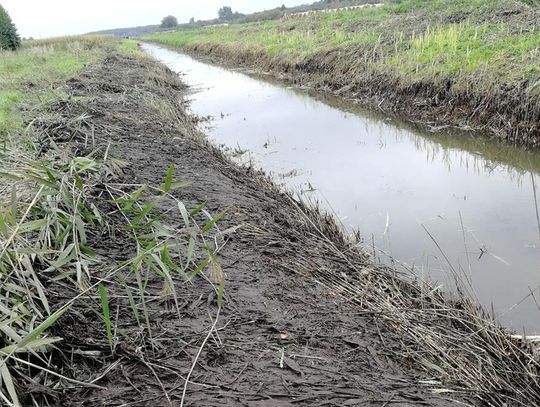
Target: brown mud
{"type": "Point", "coordinates": [308, 319]}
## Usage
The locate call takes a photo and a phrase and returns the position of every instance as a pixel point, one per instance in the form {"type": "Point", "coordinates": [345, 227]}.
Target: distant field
{"type": "Point", "coordinates": [471, 46]}
{"type": "Point", "coordinates": [33, 76]}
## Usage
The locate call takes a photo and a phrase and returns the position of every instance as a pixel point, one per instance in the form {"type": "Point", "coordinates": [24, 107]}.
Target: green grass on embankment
{"type": "Point", "coordinates": [478, 48]}
{"type": "Point", "coordinates": [31, 77]}
{"type": "Point", "coordinates": [420, 39]}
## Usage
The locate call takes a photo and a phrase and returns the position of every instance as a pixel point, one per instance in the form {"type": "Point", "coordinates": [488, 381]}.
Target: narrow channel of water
{"type": "Point", "coordinates": [394, 184]}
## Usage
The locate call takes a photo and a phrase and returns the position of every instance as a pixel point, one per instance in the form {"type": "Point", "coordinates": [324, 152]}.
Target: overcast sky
{"type": "Point", "coordinates": [50, 18]}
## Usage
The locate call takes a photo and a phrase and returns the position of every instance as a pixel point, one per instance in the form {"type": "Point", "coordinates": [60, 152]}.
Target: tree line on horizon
{"type": "Point", "coordinates": [9, 39]}
{"type": "Point", "coordinates": [227, 15]}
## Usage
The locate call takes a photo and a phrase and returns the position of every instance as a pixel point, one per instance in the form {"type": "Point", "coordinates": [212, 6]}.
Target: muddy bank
{"type": "Point", "coordinates": [308, 319]}
{"type": "Point", "coordinates": [504, 112]}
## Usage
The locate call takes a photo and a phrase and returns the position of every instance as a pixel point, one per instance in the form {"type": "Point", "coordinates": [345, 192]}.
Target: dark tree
{"type": "Point", "coordinates": [225, 13]}
{"type": "Point", "coordinates": [169, 22]}
{"type": "Point", "coordinates": [192, 20]}
{"type": "Point", "coordinates": [9, 39]}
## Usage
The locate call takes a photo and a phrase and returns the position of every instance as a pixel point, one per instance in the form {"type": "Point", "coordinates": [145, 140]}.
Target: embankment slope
{"type": "Point", "coordinates": [470, 64]}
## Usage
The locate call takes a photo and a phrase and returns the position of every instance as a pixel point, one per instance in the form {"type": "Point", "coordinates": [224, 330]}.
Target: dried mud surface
{"type": "Point", "coordinates": [281, 339]}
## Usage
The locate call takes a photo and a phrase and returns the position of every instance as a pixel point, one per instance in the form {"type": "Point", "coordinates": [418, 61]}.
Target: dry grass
{"type": "Point", "coordinates": [449, 336]}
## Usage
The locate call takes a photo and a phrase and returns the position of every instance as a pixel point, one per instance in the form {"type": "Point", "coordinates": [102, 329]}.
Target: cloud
{"type": "Point", "coordinates": [39, 19]}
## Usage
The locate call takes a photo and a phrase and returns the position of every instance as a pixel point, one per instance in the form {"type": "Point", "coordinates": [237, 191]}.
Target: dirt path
{"type": "Point", "coordinates": [282, 337]}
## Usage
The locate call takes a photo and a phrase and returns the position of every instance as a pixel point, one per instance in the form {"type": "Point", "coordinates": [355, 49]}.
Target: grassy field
{"type": "Point", "coordinates": [24, 90]}
{"type": "Point", "coordinates": [470, 49]}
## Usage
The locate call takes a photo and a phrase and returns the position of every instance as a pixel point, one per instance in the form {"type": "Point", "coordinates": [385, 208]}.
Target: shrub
{"type": "Point", "coordinates": [9, 39]}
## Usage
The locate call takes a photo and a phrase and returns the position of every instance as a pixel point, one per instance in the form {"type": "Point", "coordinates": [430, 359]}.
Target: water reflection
{"type": "Point", "coordinates": [395, 183]}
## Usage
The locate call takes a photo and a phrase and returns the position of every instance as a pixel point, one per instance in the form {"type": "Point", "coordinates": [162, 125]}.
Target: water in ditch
{"type": "Point", "coordinates": [442, 203]}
